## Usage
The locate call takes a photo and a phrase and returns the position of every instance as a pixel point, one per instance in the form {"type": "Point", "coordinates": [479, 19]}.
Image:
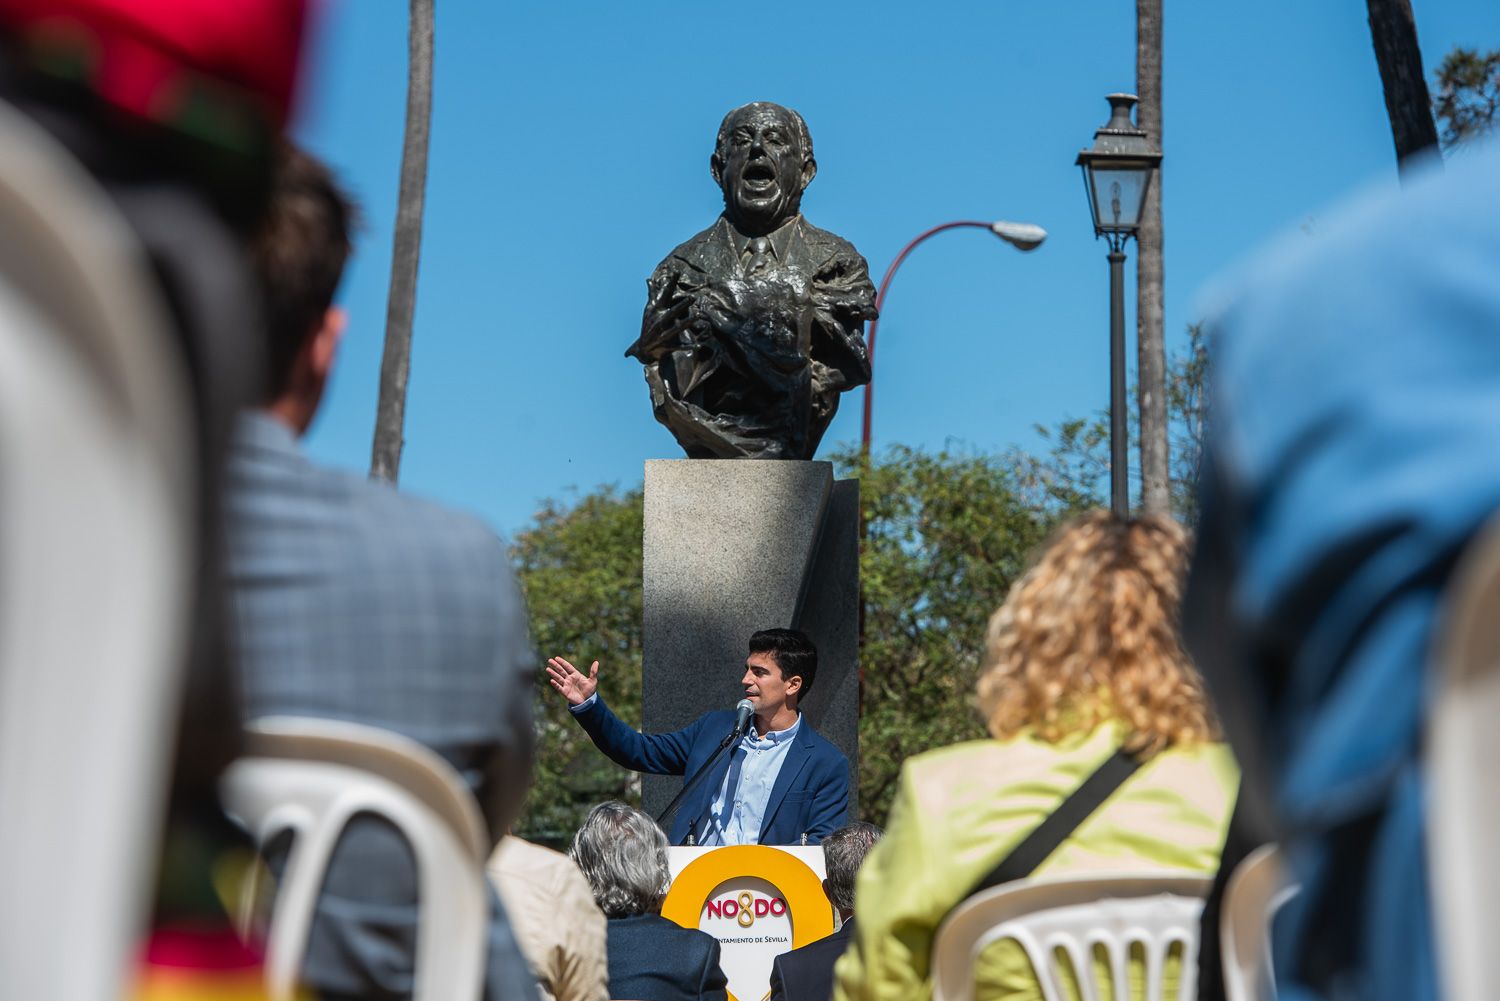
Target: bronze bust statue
{"type": "Point", "coordinates": [754, 327]}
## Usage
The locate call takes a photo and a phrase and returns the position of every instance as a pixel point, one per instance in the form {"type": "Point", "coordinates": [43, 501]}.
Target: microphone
{"type": "Point", "coordinates": [742, 713]}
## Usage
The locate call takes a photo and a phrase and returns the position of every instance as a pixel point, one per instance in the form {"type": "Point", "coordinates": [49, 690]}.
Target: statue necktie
{"type": "Point", "coordinates": [760, 255]}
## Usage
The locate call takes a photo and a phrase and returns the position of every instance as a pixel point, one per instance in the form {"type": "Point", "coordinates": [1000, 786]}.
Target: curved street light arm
{"type": "Point", "coordinates": [1021, 235]}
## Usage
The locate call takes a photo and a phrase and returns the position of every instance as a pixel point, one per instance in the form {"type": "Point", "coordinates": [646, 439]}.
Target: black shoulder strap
{"type": "Point", "coordinates": [1070, 813]}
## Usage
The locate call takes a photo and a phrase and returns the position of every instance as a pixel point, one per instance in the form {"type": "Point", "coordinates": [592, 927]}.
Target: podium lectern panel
{"type": "Point", "coordinates": [758, 901]}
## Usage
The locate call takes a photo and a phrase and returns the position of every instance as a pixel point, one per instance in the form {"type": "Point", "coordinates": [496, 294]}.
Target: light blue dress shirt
{"type": "Point", "coordinates": [736, 813]}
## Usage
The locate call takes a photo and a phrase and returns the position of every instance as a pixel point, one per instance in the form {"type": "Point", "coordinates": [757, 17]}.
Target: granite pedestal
{"type": "Point", "coordinates": [733, 546]}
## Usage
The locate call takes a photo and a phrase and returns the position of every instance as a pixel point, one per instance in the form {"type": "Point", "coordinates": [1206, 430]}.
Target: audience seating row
{"type": "Point", "coordinates": [308, 777]}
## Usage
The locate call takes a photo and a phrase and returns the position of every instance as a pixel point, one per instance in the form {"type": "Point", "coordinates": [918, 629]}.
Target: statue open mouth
{"type": "Point", "coordinates": [759, 177]}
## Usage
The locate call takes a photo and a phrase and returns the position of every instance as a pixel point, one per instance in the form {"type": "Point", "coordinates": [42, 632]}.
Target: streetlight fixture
{"type": "Point", "coordinates": [1116, 173]}
{"type": "Point", "coordinates": [1024, 236]}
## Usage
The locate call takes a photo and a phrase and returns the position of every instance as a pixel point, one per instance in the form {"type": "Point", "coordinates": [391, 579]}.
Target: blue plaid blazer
{"type": "Point", "coordinates": [355, 602]}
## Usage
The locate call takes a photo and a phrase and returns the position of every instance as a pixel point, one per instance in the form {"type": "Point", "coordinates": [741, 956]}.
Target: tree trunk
{"type": "Point", "coordinates": [395, 366]}
{"type": "Point", "coordinates": [1151, 358]}
{"type": "Point", "coordinates": [1394, 32]}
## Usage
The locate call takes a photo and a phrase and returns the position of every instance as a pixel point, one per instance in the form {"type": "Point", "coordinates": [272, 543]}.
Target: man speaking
{"type": "Point", "coordinates": [781, 783]}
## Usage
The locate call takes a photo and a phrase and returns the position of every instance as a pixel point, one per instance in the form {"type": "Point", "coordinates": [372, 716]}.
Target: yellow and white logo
{"type": "Point", "coordinates": [758, 901]}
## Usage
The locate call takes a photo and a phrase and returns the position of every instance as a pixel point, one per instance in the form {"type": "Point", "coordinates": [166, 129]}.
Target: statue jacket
{"type": "Point", "coordinates": [837, 279]}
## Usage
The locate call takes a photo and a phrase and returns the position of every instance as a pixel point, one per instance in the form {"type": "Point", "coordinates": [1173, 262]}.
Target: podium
{"type": "Point", "coordinates": [757, 900]}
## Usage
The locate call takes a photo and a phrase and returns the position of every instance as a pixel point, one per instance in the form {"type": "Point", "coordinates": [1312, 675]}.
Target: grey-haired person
{"type": "Point", "coordinates": [623, 856]}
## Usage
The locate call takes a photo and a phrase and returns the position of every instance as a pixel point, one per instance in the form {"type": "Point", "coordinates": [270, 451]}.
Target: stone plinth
{"type": "Point", "coordinates": [733, 546]}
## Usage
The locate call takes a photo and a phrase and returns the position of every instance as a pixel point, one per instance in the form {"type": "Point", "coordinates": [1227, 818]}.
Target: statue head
{"type": "Point", "coordinates": [763, 160]}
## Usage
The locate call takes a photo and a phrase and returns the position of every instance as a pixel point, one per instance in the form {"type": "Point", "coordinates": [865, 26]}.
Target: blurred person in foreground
{"type": "Point", "coordinates": [552, 911]}
{"type": "Point", "coordinates": [356, 602]}
{"type": "Point", "coordinates": [1349, 461]}
{"type": "Point", "coordinates": [1082, 660]}
{"type": "Point", "coordinates": [806, 974]}
{"type": "Point", "coordinates": [174, 109]}
{"type": "Point", "coordinates": [623, 855]}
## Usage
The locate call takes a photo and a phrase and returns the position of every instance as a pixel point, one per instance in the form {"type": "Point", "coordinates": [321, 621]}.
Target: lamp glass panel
{"type": "Point", "coordinates": [1118, 195]}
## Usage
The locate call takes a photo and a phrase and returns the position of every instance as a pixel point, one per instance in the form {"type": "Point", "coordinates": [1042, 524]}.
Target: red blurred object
{"type": "Point", "coordinates": [205, 964]}
{"type": "Point", "coordinates": [205, 948]}
{"type": "Point", "coordinates": [136, 54]}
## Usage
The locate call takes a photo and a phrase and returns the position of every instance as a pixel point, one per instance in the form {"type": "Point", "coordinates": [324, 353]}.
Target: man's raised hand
{"type": "Point", "coordinates": [573, 683]}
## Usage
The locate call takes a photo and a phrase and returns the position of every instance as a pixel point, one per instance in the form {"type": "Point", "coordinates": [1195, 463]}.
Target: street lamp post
{"type": "Point", "coordinates": [1117, 170]}
{"type": "Point", "coordinates": [1022, 235]}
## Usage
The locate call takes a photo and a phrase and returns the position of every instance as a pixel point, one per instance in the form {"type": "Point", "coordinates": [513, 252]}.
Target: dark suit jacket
{"type": "Point", "coordinates": [653, 959]}
{"type": "Point", "coordinates": [356, 602]}
{"type": "Point", "coordinates": [810, 797]}
{"type": "Point", "coordinates": [806, 974]}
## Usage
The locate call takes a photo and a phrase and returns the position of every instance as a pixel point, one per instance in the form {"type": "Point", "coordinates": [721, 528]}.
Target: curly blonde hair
{"type": "Point", "coordinates": [1089, 634]}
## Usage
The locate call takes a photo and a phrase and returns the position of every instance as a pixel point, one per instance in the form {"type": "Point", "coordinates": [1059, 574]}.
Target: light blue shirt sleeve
{"type": "Point", "coordinates": [736, 813]}
{"type": "Point", "coordinates": [575, 710]}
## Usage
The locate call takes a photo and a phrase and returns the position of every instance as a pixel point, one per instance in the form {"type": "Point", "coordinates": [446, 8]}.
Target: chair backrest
{"type": "Point", "coordinates": [309, 777]}
{"type": "Point", "coordinates": [1076, 915]}
{"type": "Point", "coordinates": [1463, 756]}
{"type": "Point", "coordinates": [1256, 890]}
{"type": "Point", "coordinates": [97, 511]}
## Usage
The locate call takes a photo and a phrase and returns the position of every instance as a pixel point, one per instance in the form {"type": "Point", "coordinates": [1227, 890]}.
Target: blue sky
{"type": "Point", "coordinates": [570, 148]}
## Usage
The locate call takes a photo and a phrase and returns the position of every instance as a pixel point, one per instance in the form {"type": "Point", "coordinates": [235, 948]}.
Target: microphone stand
{"type": "Point", "coordinates": [697, 777]}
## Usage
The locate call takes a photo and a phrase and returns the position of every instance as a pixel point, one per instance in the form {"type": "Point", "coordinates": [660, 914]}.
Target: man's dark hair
{"type": "Point", "coordinates": [793, 652]}
{"type": "Point", "coordinates": [299, 254]}
{"type": "Point", "coordinates": [844, 852]}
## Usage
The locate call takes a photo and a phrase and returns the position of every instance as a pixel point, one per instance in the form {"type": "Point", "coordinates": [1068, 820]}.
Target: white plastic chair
{"type": "Point", "coordinates": [1256, 890]}
{"type": "Point", "coordinates": [97, 513]}
{"type": "Point", "coordinates": [309, 777]}
{"type": "Point", "coordinates": [1075, 915]}
{"type": "Point", "coordinates": [1463, 758]}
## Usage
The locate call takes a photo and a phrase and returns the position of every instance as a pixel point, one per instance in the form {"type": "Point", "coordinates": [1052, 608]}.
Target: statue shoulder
{"type": "Point", "coordinates": [834, 243]}
{"type": "Point", "coordinates": [834, 257]}
{"type": "Point", "coordinates": [698, 251]}
{"type": "Point", "coordinates": [832, 250]}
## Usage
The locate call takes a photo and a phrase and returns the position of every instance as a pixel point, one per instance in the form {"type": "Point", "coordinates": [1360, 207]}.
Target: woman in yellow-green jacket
{"type": "Point", "coordinates": [1081, 660]}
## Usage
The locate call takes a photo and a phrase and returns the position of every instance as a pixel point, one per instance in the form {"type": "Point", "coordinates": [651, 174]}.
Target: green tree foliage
{"type": "Point", "coordinates": [1468, 94]}
{"type": "Point", "coordinates": [946, 535]}
{"type": "Point", "coordinates": [1187, 409]}
{"type": "Point", "coordinates": [580, 568]}
{"type": "Point", "coordinates": [1073, 472]}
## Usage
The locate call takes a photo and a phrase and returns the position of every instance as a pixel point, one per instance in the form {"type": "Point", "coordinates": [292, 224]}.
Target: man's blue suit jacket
{"type": "Point", "coordinates": [809, 800]}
